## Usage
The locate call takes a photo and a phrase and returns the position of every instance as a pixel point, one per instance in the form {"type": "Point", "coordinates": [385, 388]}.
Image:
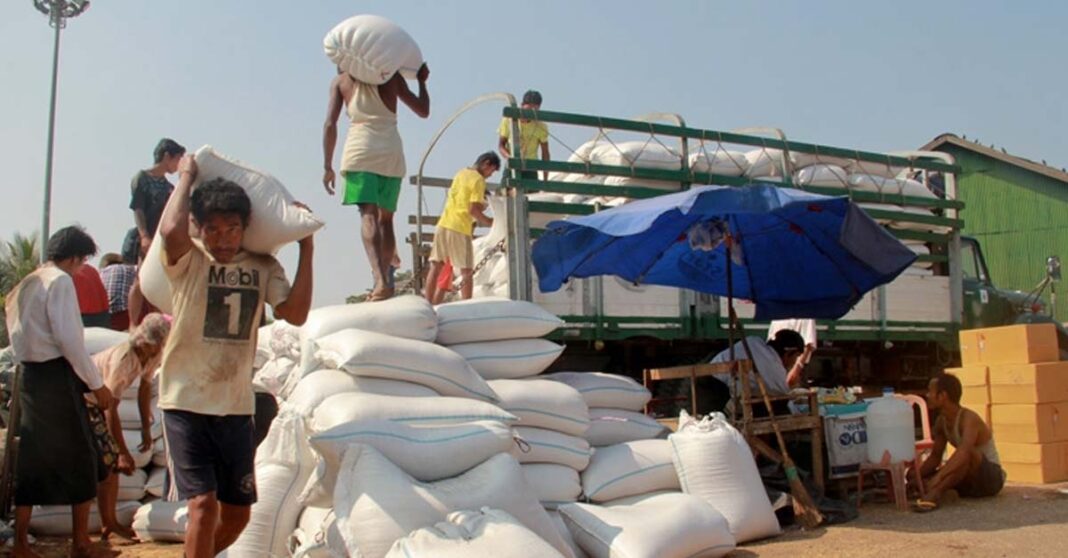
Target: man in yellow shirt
{"type": "Point", "coordinates": [532, 134]}
{"type": "Point", "coordinates": [453, 237]}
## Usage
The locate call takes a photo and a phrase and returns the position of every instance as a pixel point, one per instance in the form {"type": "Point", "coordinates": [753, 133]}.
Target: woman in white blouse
{"type": "Point", "coordinates": [57, 463]}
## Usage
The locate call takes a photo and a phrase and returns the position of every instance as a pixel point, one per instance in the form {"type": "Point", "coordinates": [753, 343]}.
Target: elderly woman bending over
{"type": "Point", "coordinates": [134, 360]}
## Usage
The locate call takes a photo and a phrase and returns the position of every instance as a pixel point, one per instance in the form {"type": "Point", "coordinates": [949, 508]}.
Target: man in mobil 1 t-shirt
{"type": "Point", "coordinates": [218, 293]}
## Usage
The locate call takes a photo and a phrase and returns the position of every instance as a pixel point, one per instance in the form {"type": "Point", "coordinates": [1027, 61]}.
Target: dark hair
{"type": "Point", "coordinates": [220, 196]}
{"type": "Point", "coordinates": [131, 246]}
{"type": "Point", "coordinates": [532, 97]}
{"type": "Point", "coordinates": [787, 339]}
{"type": "Point", "coordinates": [488, 157]}
{"type": "Point", "coordinates": [70, 242]}
{"type": "Point", "coordinates": [950, 385]}
{"type": "Point", "coordinates": [167, 146]}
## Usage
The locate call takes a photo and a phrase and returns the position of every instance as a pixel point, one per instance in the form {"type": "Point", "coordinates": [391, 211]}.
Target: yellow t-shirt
{"type": "Point", "coordinates": [207, 361]}
{"type": "Point", "coordinates": [468, 187]}
{"type": "Point", "coordinates": [531, 135]}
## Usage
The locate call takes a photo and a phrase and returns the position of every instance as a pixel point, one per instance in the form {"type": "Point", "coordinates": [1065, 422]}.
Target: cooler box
{"type": "Point", "coordinates": [1016, 344]}
{"type": "Point", "coordinates": [1030, 424]}
{"type": "Point", "coordinates": [1035, 463]}
{"type": "Point", "coordinates": [1029, 383]}
{"type": "Point", "coordinates": [846, 436]}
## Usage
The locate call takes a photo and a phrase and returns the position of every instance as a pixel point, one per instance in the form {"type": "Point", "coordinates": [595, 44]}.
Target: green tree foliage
{"type": "Point", "coordinates": [18, 258]}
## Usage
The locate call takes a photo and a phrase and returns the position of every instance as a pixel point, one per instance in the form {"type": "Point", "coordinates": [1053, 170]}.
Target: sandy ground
{"type": "Point", "coordinates": [1022, 520]}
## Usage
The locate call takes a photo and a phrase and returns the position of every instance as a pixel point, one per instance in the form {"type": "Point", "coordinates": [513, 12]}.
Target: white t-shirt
{"type": "Point", "coordinates": [207, 361]}
{"type": "Point", "coordinates": [767, 362]}
{"type": "Point", "coordinates": [44, 323]}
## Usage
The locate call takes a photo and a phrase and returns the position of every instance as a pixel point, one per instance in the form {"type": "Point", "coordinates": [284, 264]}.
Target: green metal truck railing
{"type": "Point", "coordinates": [698, 318]}
{"type": "Point", "coordinates": [690, 326]}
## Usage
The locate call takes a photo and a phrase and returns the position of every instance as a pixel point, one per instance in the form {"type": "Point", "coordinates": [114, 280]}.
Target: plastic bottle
{"type": "Point", "coordinates": [890, 429]}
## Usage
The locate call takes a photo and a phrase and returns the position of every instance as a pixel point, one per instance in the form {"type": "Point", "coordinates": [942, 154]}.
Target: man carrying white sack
{"type": "Point", "coordinates": [205, 391]}
{"type": "Point", "coordinates": [372, 163]}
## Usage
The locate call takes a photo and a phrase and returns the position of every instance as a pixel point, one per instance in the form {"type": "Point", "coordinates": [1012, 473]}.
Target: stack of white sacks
{"type": "Point", "coordinates": [499, 338]}
{"type": "Point", "coordinates": [415, 432]}
{"type": "Point", "coordinates": [146, 482]}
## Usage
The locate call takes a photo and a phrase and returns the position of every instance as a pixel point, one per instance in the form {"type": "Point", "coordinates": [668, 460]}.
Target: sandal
{"type": "Point", "coordinates": [924, 506]}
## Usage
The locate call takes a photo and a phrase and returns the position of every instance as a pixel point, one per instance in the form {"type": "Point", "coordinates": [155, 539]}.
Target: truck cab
{"type": "Point", "coordinates": [985, 305]}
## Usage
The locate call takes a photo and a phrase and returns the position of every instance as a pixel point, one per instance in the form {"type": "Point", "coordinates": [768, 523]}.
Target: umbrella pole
{"type": "Point", "coordinates": [804, 508]}
{"type": "Point", "coordinates": [739, 406]}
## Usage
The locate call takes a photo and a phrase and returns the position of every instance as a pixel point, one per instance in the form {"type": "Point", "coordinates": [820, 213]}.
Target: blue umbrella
{"type": "Point", "coordinates": [794, 254]}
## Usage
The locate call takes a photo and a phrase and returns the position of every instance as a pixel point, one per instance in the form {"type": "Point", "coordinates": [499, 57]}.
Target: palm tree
{"type": "Point", "coordinates": [18, 258]}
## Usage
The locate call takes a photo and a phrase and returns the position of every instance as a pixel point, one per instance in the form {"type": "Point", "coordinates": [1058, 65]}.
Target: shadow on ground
{"type": "Point", "coordinates": [1018, 507]}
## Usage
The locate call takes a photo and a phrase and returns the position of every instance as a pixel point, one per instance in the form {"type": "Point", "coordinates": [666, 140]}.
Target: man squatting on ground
{"type": "Point", "coordinates": [974, 469]}
{"type": "Point", "coordinates": [205, 391]}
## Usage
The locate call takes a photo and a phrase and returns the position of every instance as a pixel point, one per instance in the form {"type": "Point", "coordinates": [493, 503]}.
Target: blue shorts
{"type": "Point", "coordinates": [207, 453]}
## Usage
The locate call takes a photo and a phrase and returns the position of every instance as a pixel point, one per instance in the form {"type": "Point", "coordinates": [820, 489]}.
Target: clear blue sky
{"type": "Point", "coordinates": [251, 79]}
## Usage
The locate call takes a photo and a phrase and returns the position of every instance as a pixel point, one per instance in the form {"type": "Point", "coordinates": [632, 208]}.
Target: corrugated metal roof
{"type": "Point", "coordinates": [1027, 164]}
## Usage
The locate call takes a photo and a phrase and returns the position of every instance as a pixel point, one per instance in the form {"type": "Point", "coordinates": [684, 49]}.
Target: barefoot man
{"type": "Point", "coordinates": [973, 470]}
{"type": "Point", "coordinates": [372, 163]}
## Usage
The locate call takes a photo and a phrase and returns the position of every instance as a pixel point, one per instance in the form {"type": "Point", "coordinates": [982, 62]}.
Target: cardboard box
{"type": "Point", "coordinates": [975, 375]}
{"type": "Point", "coordinates": [1016, 344]}
{"type": "Point", "coordinates": [1029, 383]}
{"type": "Point", "coordinates": [1030, 424]}
{"type": "Point", "coordinates": [1035, 463]}
{"type": "Point", "coordinates": [975, 397]}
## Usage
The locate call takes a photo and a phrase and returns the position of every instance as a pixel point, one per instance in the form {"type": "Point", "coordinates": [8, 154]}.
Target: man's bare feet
{"type": "Point", "coordinates": [380, 294]}
{"type": "Point", "coordinates": [91, 551]}
{"type": "Point", "coordinates": [124, 534]}
{"type": "Point", "coordinates": [23, 550]}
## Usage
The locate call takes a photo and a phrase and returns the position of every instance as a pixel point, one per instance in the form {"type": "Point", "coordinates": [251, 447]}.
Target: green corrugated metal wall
{"type": "Point", "coordinates": [1019, 217]}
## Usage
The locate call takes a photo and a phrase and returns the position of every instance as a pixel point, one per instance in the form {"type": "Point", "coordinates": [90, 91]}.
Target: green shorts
{"type": "Point", "coordinates": [368, 187]}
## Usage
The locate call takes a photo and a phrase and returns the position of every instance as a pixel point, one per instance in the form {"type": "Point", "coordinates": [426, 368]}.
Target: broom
{"type": "Point", "coordinates": [804, 508]}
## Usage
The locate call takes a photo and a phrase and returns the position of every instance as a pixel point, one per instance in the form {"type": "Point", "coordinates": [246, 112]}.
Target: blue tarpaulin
{"type": "Point", "coordinates": [796, 255]}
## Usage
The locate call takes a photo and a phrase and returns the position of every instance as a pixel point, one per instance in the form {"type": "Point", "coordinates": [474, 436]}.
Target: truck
{"type": "Point", "coordinates": [898, 335]}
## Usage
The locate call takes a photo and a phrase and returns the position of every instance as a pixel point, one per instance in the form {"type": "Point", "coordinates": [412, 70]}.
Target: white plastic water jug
{"type": "Point", "coordinates": [890, 429]}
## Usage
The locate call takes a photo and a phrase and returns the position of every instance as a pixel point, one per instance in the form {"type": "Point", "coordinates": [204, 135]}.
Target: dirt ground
{"type": "Point", "coordinates": [1022, 520]}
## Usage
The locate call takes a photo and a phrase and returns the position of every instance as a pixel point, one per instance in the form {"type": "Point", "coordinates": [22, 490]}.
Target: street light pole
{"type": "Point", "coordinates": [58, 11]}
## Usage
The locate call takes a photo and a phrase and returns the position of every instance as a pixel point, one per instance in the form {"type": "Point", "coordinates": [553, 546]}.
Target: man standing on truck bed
{"type": "Point", "coordinates": [974, 469]}
{"type": "Point", "coordinates": [465, 205]}
{"type": "Point", "coordinates": [372, 163]}
{"type": "Point", "coordinates": [532, 135]}
{"type": "Point", "coordinates": [149, 192]}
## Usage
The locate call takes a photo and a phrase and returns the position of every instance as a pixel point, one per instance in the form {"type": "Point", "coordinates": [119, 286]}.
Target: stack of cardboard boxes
{"type": "Point", "coordinates": [1014, 379]}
